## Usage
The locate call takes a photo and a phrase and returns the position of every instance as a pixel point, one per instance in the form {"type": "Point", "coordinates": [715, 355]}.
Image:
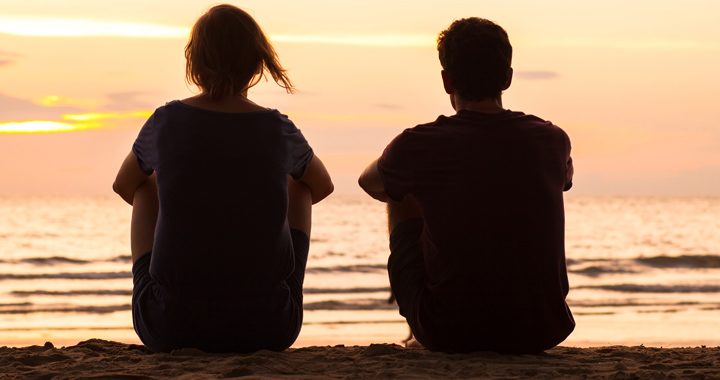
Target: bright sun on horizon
{"type": "Point", "coordinates": [71, 123]}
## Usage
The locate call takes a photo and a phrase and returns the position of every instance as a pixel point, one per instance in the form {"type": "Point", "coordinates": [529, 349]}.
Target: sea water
{"type": "Point", "coordinates": [642, 270]}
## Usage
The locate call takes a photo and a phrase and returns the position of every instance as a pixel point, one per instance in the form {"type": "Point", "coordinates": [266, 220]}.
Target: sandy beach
{"type": "Point", "coordinates": [94, 359]}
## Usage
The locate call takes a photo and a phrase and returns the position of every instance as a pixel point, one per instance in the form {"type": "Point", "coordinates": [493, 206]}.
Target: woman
{"type": "Point", "coordinates": [221, 190]}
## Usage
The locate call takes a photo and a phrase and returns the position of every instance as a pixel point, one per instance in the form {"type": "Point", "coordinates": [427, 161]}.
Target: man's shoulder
{"type": "Point", "coordinates": [534, 120]}
{"type": "Point", "coordinates": [475, 119]}
{"type": "Point", "coordinates": [428, 127]}
{"type": "Point", "coordinates": [440, 120]}
{"type": "Point", "coordinates": [532, 123]}
{"type": "Point", "coordinates": [470, 118]}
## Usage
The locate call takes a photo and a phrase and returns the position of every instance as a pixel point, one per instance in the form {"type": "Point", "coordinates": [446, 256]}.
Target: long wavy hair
{"type": "Point", "coordinates": [228, 53]}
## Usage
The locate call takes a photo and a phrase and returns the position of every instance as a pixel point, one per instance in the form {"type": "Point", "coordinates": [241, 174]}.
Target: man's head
{"type": "Point", "coordinates": [476, 56]}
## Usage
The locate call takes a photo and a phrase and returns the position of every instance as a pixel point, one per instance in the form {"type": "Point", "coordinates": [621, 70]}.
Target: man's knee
{"type": "Point", "coordinates": [399, 212]}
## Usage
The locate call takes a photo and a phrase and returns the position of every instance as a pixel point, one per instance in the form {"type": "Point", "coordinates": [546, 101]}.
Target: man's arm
{"type": "Point", "coordinates": [372, 183]}
{"type": "Point", "coordinates": [129, 178]}
{"type": "Point", "coordinates": [569, 174]}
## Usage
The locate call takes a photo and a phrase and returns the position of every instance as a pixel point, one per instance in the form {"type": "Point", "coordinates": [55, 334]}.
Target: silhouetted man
{"type": "Point", "coordinates": [475, 209]}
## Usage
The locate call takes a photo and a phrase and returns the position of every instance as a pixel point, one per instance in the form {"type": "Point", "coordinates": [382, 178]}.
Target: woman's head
{"type": "Point", "coordinates": [228, 53]}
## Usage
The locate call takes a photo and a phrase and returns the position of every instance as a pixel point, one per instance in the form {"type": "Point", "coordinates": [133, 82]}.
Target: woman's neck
{"type": "Point", "coordinates": [235, 103]}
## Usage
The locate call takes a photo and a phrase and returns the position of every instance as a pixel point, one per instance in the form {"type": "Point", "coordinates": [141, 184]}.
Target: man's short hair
{"type": "Point", "coordinates": [476, 54]}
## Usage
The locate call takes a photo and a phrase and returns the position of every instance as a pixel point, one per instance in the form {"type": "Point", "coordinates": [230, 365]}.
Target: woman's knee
{"type": "Point", "coordinates": [299, 206]}
{"type": "Point", "coordinates": [144, 218]}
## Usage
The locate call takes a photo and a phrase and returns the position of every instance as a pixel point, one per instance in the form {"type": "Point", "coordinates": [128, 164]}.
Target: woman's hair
{"type": "Point", "coordinates": [476, 54]}
{"type": "Point", "coordinates": [228, 53]}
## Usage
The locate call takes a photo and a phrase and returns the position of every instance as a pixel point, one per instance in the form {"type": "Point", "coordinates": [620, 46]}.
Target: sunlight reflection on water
{"type": "Point", "coordinates": [637, 266]}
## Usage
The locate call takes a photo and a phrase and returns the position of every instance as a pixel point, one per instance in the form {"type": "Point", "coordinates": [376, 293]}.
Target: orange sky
{"type": "Point", "coordinates": [633, 83]}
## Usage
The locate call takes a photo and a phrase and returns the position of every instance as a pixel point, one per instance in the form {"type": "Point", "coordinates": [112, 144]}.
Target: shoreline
{"type": "Point", "coordinates": [97, 358]}
{"type": "Point", "coordinates": [330, 334]}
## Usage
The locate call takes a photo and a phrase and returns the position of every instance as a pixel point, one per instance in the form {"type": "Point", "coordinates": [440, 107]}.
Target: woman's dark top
{"type": "Point", "coordinates": [222, 241]}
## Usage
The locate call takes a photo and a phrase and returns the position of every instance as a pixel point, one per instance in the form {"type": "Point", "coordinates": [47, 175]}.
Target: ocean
{"type": "Point", "coordinates": [643, 270]}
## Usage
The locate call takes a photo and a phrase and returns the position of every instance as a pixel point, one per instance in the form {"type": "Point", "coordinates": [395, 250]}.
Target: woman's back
{"type": "Point", "coordinates": [222, 185]}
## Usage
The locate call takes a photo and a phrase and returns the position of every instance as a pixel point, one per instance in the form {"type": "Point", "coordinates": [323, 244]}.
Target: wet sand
{"type": "Point", "coordinates": [106, 359]}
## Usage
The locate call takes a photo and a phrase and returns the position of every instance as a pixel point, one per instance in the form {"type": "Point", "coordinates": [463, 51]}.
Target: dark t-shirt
{"type": "Point", "coordinates": [222, 184]}
{"type": "Point", "coordinates": [491, 191]}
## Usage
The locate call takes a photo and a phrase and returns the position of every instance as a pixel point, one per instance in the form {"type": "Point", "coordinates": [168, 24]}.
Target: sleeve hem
{"type": "Point", "coordinates": [390, 193]}
{"type": "Point", "coordinates": [310, 154]}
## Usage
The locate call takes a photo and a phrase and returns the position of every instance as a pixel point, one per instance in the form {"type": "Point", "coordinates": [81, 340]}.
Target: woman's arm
{"type": "Point", "coordinates": [318, 180]}
{"type": "Point", "coordinates": [129, 178]}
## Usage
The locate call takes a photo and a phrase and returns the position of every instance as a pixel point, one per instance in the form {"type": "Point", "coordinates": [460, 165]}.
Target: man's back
{"type": "Point", "coordinates": [475, 209]}
{"type": "Point", "coordinates": [490, 189]}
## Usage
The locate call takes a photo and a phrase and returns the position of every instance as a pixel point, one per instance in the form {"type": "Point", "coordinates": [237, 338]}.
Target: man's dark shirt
{"type": "Point", "coordinates": [491, 190]}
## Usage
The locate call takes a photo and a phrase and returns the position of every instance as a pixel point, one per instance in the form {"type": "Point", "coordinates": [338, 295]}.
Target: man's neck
{"type": "Point", "coordinates": [487, 105]}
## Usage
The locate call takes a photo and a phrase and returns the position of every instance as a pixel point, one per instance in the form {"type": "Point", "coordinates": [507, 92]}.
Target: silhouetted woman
{"type": "Point", "coordinates": [221, 190]}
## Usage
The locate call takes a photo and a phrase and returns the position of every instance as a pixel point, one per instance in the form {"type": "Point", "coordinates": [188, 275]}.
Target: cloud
{"type": "Point", "coordinates": [128, 101]}
{"type": "Point", "coordinates": [74, 27]}
{"type": "Point", "coordinates": [23, 116]}
{"type": "Point", "coordinates": [536, 74]}
{"type": "Point", "coordinates": [14, 109]}
{"type": "Point", "coordinates": [7, 58]}
{"type": "Point", "coordinates": [77, 27]}
{"type": "Point", "coordinates": [67, 27]}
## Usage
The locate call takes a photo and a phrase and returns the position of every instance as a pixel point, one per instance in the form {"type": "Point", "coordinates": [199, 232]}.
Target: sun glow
{"type": "Point", "coordinates": [70, 123]}
{"type": "Point", "coordinates": [96, 116]}
{"type": "Point", "coordinates": [39, 126]}
{"type": "Point", "coordinates": [60, 101]}
{"type": "Point", "coordinates": [66, 27]}
{"type": "Point", "coordinates": [50, 100]}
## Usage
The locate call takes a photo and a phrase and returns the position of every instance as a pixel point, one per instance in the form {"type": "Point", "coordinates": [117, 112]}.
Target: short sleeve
{"type": "Point", "coordinates": [569, 169]}
{"type": "Point", "coordinates": [145, 146]}
{"type": "Point", "coordinates": [299, 152]}
{"type": "Point", "coordinates": [396, 169]}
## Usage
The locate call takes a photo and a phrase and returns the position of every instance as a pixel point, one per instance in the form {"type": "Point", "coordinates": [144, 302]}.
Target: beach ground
{"type": "Point", "coordinates": [94, 359]}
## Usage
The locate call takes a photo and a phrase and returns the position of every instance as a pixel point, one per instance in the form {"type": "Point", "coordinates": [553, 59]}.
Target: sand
{"type": "Point", "coordinates": [96, 359]}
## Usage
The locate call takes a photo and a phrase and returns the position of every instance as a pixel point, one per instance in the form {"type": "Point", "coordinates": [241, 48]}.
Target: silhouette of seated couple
{"type": "Point", "coordinates": [222, 192]}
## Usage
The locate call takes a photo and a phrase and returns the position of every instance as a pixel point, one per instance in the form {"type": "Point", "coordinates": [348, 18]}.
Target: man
{"type": "Point", "coordinates": [475, 209]}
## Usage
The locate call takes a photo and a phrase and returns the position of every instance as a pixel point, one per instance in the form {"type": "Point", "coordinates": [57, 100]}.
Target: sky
{"type": "Point", "coordinates": [634, 84]}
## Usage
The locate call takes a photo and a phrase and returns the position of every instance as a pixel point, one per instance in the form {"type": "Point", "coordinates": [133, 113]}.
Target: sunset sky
{"type": "Point", "coordinates": [635, 84]}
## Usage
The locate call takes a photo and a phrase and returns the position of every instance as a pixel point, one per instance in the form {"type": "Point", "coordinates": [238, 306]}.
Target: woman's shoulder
{"type": "Point", "coordinates": [177, 110]}
{"type": "Point", "coordinates": [258, 112]}
{"type": "Point", "coordinates": [235, 106]}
